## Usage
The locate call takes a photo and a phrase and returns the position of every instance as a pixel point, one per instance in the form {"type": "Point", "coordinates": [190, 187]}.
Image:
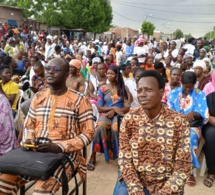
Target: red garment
{"type": "Point", "coordinates": [5, 29]}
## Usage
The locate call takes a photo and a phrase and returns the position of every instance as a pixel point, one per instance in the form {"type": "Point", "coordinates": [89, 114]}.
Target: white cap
{"type": "Point", "coordinates": [200, 63]}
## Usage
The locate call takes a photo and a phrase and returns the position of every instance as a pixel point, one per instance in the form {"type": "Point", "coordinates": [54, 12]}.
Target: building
{"type": "Point", "coordinates": [11, 15]}
{"type": "Point", "coordinates": [123, 32]}
{"type": "Point", "coordinates": [14, 16]}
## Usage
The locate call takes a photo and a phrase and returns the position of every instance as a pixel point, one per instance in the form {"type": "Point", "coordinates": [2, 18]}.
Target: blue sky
{"type": "Point", "coordinates": [191, 16]}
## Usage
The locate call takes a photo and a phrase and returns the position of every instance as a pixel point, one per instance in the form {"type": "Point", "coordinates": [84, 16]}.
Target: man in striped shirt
{"type": "Point", "coordinates": [65, 117]}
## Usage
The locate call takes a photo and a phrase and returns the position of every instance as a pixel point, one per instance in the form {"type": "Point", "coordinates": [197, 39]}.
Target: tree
{"type": "Point", "coordinates": [147, 28]}
{"type": "Point", "coordinates": [211, 34]}
{"type": "Point", "coordinates": [90, 15]}
{"type": "Point", "coordinates": [188, 36]}
{"type": "Point", "coordinates": [178, 34]}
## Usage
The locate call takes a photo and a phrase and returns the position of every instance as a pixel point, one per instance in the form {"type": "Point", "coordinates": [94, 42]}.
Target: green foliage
{"type": "Point", "coordinates": [178, 34]}
{"type": "Point", "coordinates": [211, 34]}
{"type": "Point", "coordinates": [188, 36]}
{"type": "Point", "coordinates": [147, 28]}
{"type": "Point", "coordinates": [90, 15]}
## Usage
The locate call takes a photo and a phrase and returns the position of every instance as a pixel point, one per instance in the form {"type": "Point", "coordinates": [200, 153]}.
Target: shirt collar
{"type": "Point", "coordinates": [159, 117]}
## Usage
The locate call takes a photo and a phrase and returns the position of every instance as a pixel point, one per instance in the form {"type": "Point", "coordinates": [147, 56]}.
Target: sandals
{"type": "Point", "coordinates": [191, 181]}
{"type": "Point", "coordinates": [91, 166]}
{"type": "Point", "coordinates": [208, 181]}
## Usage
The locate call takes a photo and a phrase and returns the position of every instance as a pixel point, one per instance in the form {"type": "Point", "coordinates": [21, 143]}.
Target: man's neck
{"type": "Point", "coordinates": [153, 112]}
{"type": "Point", "coordinates": [58, 91]}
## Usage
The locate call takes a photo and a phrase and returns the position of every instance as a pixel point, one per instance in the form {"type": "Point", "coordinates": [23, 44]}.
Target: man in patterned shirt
{"type": "Point", "coordinates": [154, 154]}
{"type": "Point", "coordinates": [61, 115]}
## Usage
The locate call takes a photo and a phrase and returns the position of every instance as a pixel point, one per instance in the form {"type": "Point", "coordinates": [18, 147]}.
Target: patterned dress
{"type": "Point", "coordinates": [106, 134]}
{"type": "Point", "coordinates": [155, 153]}
{"type": "Point", "coordinates": [77, 84]}
{"type": "Point", "coordinates": [194, 102]}
{"type": "Point", "coordinates": [7, 128]}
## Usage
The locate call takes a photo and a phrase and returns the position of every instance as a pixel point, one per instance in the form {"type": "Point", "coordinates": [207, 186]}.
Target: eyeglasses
{"type": "Point", "coordinates": [55, 69]}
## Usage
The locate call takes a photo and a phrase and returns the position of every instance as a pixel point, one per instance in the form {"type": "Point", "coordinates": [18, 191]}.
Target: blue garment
{"type": "Point", "coordinates": [194, 102]}
{"type": "Point", "coordinates": [20, 65]}
{"type": "Point", "coordinates": [99, 50]}
{"type": "Point", "coordinates": [129, 50]}
{"type": "Point", "coordinates": [121, 187]}
{"type": "Point", "coordinates": [106, 98]}
{"type": "Point", "coordinates": [67, 51]}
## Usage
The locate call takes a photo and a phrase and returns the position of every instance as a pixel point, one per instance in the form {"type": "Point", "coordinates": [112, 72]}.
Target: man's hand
{"type": "Point", "coordinates": [190, 116]}
{"type": "Point", "coordinates": [110, 114]}
{"type": "Point", "coordinates": [49, 147]}
{"type": "Point", "coordinates": [30, 141]}
{"type": "Point", "coordinates": [212, 120]}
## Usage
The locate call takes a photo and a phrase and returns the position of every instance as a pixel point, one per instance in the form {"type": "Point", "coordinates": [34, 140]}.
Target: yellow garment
{"type": "Point", "coordinates": [88, 67]}
{"type": "Point", "coordinates": [9, 89]}
{"type": "Point", "coordinates": [168, 74]}
{"type": "Point", "coordinates": [130, 76]}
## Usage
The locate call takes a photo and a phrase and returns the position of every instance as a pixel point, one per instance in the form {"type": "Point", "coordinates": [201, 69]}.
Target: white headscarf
{"type": "Point", "coordinates": [200, 63]}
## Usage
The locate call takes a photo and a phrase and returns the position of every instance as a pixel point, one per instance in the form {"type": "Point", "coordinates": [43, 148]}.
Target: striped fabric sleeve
{"type": "Point", "coordinates": [30, 123]}
{"type": "Point", "coordinates": [85, 126]}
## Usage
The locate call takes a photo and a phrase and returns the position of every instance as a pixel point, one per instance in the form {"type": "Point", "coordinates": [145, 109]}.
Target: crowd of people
{"type": "Point", "coordinates": [75, 88]}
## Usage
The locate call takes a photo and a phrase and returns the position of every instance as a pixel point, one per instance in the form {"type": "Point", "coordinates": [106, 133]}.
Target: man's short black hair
{"type": "Point", "coordinates": [138, 69]}
{"type": "Point", "coordinates": [135, 59]}
{"type": "Point", "coordinates": [7, 60]}
{"type": "Point", "coordinates": [38, 64]}
{"type": "Point", "coordinates": [3, 67]}
{"type": "Point", "coordinates": [57, 47]}
{"type": "Point", "coordinates": [156, 75]}
{"type": "Point", "coordinates": [188, 77]}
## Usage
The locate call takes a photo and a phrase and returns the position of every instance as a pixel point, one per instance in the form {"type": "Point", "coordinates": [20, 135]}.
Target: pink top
{"type": "Point", "coordinates": [166, 93]}
{"type": "Point", "coordinates": [210, 87]}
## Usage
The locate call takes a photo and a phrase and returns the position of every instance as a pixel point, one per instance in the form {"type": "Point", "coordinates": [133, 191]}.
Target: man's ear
{"type": "Point", "coordinates": [161, 92]}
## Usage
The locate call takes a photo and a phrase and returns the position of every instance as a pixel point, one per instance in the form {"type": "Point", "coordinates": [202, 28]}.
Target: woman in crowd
{"type": "Point", "coordinates": [149, 64]}
{"type": "Point", "coordinates": [109, 60]}
{"type": "Point", "coordinates": [97, 81]}
{"type": "Point", "coordinates": [75, 81]}
{"type": "Point", "coordinates": [93, 68]}
{"type": "Point", "coordinates": [168, 61]}
{"type": "Point", "coordinates": [189, 62]}
{"type": "Point", "coordinates": [210, 87]}
{"type": "Point", "coordinates": [7, 130]}
{"type": "Point", "coordinates": [125, 67]}
{"type": "Point", "coordinates": [191, 102]}
{"type": "Point", "coordinates": [10, 48]}
{"type": "Point", "coordinates": [208, 132]}
{"type": "Point", "coordinates": [179, 60]}
{"type": "Point", "coordinates": [113, 99]}
{"type": "Point", "coordinates": [134, 64]}
{"type": "Point", "coordinates": [199, 68]}
{"type": "Point", "coordinates": [140, 51]}
{"type": "Point", "coordinates": [161, 69]}
{"type": "Point", "coordinates": [132, 86]}
{"type": "Point", "coordinates": [175, 77]}
{"type": "Point", "coordinates": [38, 80]}
{"type": "Point", "coordinates": [10, 88]}
{"type": "Point", "coordinates": [208, 71]}
{"type": "Point", "coordinates": [9, 61]}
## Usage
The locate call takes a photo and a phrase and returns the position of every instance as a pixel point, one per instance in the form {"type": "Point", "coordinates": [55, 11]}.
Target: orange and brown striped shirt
{"type": "Point", "coordinates": [67, 120]}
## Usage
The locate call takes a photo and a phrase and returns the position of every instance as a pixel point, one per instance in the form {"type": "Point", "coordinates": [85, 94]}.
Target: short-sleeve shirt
{"type": "Point", "coordinates": [9, 89]}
